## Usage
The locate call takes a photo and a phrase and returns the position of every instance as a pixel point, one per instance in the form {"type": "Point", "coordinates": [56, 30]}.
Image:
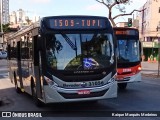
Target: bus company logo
{"type": "Point", "coordinates": [75, 85]}
{"type": "Point", "coordinates": [104, 72]}
{"type": "Point", "coordinates": [83, 84]}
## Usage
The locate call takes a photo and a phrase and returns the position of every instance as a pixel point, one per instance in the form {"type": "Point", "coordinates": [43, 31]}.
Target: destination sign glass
{"type": "Point", "coordinates": [126, 32]}
{"type": "Point", "coordinates": [77, 23]}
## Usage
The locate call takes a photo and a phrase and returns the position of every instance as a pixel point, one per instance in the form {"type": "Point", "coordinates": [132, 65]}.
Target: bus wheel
{"type": "Point", "coordinates": [18, 90]}
{"type": "Point", "coordinates": [122, 86]}
{"type": "Point", "coordinates": [37, 102]}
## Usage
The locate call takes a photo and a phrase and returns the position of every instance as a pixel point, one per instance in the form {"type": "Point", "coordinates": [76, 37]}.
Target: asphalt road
{"type": "Point", "coordinates": [138, 98]}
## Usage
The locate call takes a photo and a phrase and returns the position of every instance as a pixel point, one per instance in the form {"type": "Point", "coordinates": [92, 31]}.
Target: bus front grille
{"type": "Point", "coordinates": [76, 95]}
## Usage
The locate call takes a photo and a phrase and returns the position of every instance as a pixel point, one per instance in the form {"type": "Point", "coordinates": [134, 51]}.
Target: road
{"type": "Point", "coordinates": [142, 96]}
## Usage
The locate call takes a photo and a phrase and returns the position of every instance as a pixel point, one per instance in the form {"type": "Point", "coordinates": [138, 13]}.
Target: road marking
{"type": "Point", "coordinates": [3, 75]}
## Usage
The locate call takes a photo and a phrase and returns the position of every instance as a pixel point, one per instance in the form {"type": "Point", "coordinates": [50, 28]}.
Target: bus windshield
{"type": "Point", "coordinates": [79, 51]}
{"type": "Point", "coordinates": [128, 50]}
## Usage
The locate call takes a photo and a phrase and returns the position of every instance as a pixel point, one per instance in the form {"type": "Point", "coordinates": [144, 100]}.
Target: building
{"type": "Point", "coordinates": [4, 16]}
{"type": "Point", "coordinates": [149, 20]}
{"type": "Point", "coordinates": [20, 18]}
{"type": "Point", "coordinates": [13, 18]}
{"type": "Point", "coordinates": [4, 11]}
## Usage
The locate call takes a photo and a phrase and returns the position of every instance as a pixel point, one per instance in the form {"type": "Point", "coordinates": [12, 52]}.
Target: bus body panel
{"type": "Point", "coordinates": [129, 79]}
{"type": "Point", "coordinates": [129, 74]}
{"type": "Point", "coordinates": [55, 93]}
{"type": "Point", "coordinates": [52, 95]}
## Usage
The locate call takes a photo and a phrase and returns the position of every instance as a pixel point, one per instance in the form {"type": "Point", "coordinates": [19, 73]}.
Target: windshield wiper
{"type": "Point", "coordinates": [71, 44]}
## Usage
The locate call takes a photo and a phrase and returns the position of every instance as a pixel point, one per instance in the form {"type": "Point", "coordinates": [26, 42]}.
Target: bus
{"type": "Point", "coordinates": [64, 59]}
{"type": "Point", "coordinates": [128, 56]}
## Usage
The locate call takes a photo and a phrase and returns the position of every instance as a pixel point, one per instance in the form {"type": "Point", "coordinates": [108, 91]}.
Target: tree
{"type": "Point", "coordinates": [5, 27]}
{"type": "Point", "coordinates": [28, 20]}
{"type": "Point", "coordinates": [120, 5]}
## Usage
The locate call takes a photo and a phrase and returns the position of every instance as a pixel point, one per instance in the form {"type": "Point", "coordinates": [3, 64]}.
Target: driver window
{"type": "Point", "coordinates": [50, 51]}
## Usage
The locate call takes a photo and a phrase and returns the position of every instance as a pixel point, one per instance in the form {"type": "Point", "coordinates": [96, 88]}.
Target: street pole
{"type": "Point", "coordinates": [2, 21]}
{"type": "Point", "coordinates": [158, 58]}
{"type": "Point", "coordinates": [158, 28]}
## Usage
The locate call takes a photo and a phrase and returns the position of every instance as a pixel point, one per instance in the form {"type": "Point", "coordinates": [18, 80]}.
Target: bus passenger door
{"type": "Point", "coordinates": [19, 70]}
{"type": "Point", "coordinates": [26, 63]}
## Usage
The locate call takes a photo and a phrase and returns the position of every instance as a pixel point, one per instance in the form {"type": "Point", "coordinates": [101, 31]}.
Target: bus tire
{"type": "Point", "coordinates": [37, 102]}
{"type": "Point", "coordinates": [18, 90]}
{"type": "Point", "coordinates": [122, 86]}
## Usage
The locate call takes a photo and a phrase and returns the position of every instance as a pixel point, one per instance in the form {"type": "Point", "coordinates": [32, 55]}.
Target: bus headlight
{"type": "Point", "coordinates": [50, 82]}
{"type": "Point", "coordinates": [139, 68]}
{"type": "Point", "coordinates": [112, 79]}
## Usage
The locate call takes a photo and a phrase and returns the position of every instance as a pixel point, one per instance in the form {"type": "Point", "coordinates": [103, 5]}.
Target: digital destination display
{"type": "Point", "coordinates": [77, 23]}
{"type": "Point", "coordinates": [126, 32]}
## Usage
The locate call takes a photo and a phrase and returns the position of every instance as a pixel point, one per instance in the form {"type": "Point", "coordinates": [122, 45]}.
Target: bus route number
{"type": "Point", "coordinates": [96, 83]}
{"type": "Point", "coordinates": [127, 70]}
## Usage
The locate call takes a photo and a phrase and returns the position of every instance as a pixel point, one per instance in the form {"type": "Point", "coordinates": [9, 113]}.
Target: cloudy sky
{"type": "Point", "coordinates": [68, 7]}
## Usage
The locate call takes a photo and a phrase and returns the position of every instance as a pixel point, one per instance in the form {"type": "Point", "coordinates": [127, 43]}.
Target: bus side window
{"type": "Point", "coordinates": [13, 48]}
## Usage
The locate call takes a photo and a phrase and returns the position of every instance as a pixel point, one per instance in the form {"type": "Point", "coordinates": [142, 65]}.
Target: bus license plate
{"type": "Point", "coordinates": [83, 92]}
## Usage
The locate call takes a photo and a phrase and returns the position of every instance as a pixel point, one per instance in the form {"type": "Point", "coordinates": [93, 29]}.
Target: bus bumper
{"type": "Point", "coordinates": [72, 95]}
{"type": "Point", "coordinates": [128, 79]}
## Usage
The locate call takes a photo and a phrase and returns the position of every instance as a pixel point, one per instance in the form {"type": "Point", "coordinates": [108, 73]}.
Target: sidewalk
{"type": "Point", "coordinates": [149, 68]}
{"type": "Point", "coordinates": [150, 72]}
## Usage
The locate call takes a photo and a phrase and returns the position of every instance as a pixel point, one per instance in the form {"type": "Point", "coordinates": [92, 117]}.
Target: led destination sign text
{"type": "Point", "coordinates": [68, 23]}
{"type": "Point", "coordinates": [126, 32]}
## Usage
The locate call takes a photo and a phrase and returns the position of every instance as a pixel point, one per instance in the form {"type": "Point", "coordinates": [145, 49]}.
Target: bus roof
{"type": "Point", "coordinates": [76, 22]}
{"type": "Point", "coordinates": [124, 28]}
{"type": "Point", "coordinates": [75, 16]}
{"type": "Point", "coordinates": [48, 22]}
{"type": "Point", "coordinates": [126, 31]}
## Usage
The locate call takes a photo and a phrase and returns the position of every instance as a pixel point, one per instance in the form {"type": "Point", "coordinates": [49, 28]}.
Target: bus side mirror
{"type": "Point", "coordinates": [39, 42]}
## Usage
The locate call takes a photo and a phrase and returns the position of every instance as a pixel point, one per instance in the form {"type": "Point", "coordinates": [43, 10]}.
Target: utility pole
{"type": "Point", "coordinates": [2, 21]}
{"type": "Point", "coordinates": [158, 29]}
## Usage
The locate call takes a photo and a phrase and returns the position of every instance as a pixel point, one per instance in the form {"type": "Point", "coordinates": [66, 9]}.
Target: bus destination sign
{"type": "Point", "coordinates": [126, 32]}
{"type": "Point", "coordinates": [77, 23]}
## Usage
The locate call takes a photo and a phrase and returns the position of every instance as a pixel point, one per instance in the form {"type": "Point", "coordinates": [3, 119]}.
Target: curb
{"type": "Point", "coordinates": [150, 75]}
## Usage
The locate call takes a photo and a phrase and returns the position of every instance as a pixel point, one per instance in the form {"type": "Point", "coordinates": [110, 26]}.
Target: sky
{"type": "Point", "coordinates": [69, 7]}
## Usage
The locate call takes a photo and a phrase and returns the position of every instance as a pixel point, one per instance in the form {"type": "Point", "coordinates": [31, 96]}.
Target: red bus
{"type": "Point", "coordinates": [128, 56]}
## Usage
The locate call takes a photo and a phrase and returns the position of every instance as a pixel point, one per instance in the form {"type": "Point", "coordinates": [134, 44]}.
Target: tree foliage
{"type": "Point", "coordinates": [118, 4]}
{"type": "Point", "coordinates": [5, 27]}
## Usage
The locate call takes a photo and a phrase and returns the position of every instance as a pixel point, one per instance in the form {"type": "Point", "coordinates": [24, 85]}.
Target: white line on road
{"type": "Point", "coordinates": [3, 76]}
